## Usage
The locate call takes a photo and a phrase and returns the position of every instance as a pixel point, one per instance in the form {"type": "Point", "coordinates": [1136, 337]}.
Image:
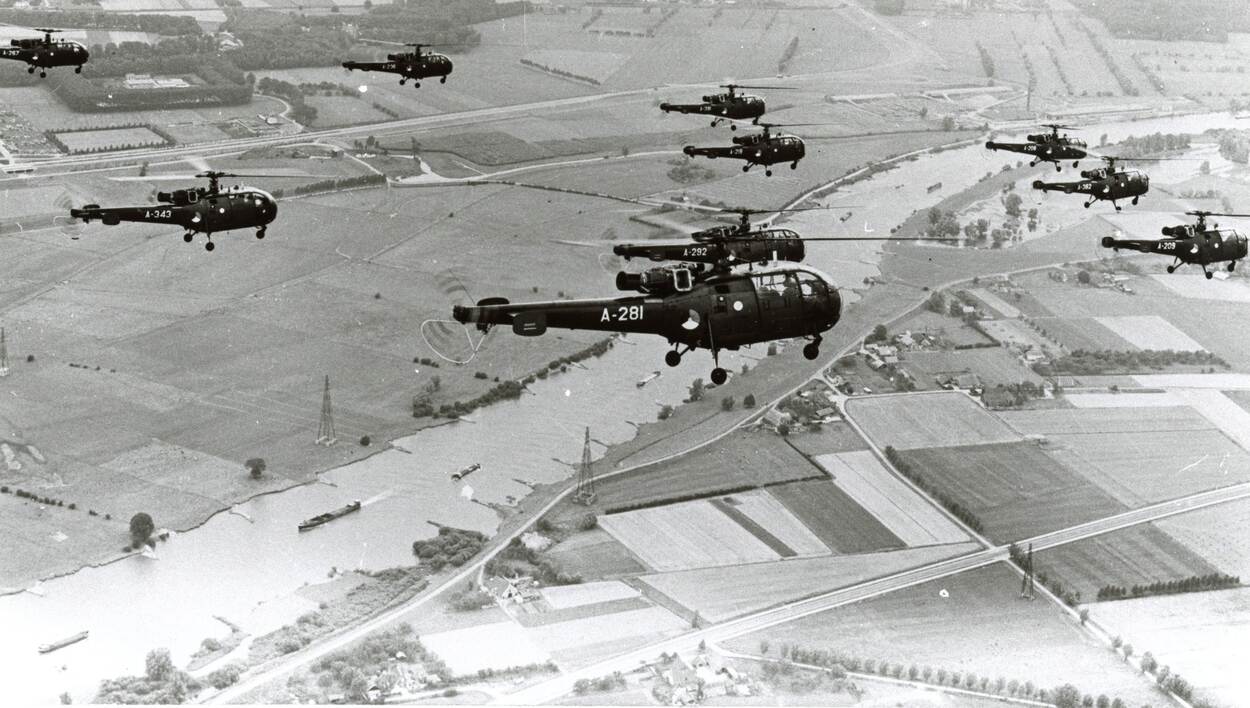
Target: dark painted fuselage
{"type": "Point", "coordinates": [758, 246]}
{"type": "Point", "coordinates": [1102, 184]}
{"type": "Point", "coordinates": [1190, 245]}
{"type": "Point", "coordinates": [1045, 148]}
{"type": "Point", "coordinates": [756, 150]}
{"type": "Point", "coordinates": [37, 53]}
{"type": "Point", "coordinates": [195, 209]}
{"type": "Point", "coordinates": [407, 66]}
{"type": "Point", "coordinates": [724, 311]}
{"type": "Point", "coordinates": [721, 107]}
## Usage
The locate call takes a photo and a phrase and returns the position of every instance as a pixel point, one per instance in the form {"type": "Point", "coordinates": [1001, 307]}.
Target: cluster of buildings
{"type": "Point", "coordinates": [678, 682]}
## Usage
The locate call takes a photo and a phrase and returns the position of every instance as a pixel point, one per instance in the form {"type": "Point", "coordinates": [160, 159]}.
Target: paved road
{"type": "Point", "coordinates": [559, 686]}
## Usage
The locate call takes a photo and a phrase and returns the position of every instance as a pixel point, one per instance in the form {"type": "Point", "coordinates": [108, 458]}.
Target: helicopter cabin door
{"type": "Point", "coordinates": [780, 304]}
{"type": "Point", "coordinates": [733, 315]}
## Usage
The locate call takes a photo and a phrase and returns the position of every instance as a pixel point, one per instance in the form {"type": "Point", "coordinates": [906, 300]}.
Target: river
{"type": "Point", "coordinates": [251, 571]}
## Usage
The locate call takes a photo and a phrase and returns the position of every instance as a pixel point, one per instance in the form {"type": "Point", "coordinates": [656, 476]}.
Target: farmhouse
{"type": "Point", "coordinates": [517, 590]}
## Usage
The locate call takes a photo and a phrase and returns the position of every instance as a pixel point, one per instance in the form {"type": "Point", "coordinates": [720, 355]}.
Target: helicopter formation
{"type": "Point", "coordinates": [1188, 244]}
{"type": "Point", "coordinates": [46, 52]}
{"type": "Point", "coordinates": [763, 149]}
{"type": "Point", "coordinates": [703, 299]}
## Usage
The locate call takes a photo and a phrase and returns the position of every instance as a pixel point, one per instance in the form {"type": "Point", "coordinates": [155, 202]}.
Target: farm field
{"type": "Point", "coordinates": [1082, 333]}
{"type": "Point", "coordinates": [979, 626]}
{"type": "Point", "coordinates": [743, 459]}
{"type": "Point", "coordinates": [1107, 420]}
{"type": "Point", "coordinates": [1196, 287]}
{"type": "Point", "coordinates": [595, 554]}
{"type": "Point", "coordinates": [466, 650]}
{"type": "Point", "coordinates": [1217, 533]}
{"type": "Point", "coordinates": [334, 111]}
{"type": "Point", "coordinates": [763, 509]}
{"type": "Point", "coordinates": [1150, 332]}
{"type": "Point", "coordinates": [101, 140]}
{"type": "Point", "coordinates": [1198, 635]}
{"type": "Point", "coordinates": [583, 640]}
{"type": "Point", "coordinates": [1015, 489]}
{"type": "Point", "coordinates": [840, 523]}
{"type": "Point", "coordinates": [992, 366]}
{"type": "Point", "coordinates": [939, 419]}
{"type": "Point", "coordinates": [564, 596]}
{"type": "Point", "coordinates": [686, 535]}
{"type": "Point", "coordinates": [1137, 555]}
{"type": "Point", "coordinates": [837, 436]}
{"type": "Point", "coordinates": [909, 516]}
{"type": "Point", "coordinates": [721, 593]}
{"type": "Point", "coordinates": [1140, 455]}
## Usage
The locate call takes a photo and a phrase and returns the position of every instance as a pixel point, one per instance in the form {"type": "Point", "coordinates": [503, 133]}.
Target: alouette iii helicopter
{"type": "Point", "coordinates": [46, 53]}
{"type": "Point", "coordinates": [726, 107]}
{"type": "Point", "coordinates": [764, 148]}
{"type": "Point", "coordinates": [415, 65]}
{"type": "Point", "coordinates": [1047, 147]}
{"type": "Point", "coordinates": [705, 301]}
{"type": "Point", "coordinates": [205, 210]}
{"type": "Point", "coordinates": [1191, 244]}
{"type": "Point", "coordinates": [1105, 183]}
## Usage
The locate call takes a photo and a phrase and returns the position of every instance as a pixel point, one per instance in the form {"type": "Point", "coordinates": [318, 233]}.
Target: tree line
{"type": "Point", "coordinates": [1104, 361]}
{"type": "Point", "coordinates": [1194, 583]}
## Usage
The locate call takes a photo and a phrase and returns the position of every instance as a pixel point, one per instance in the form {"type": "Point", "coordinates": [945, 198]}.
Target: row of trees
{"type": "Point", "coordinates": [556, 71]}
{"type": "Point", "coordinates": [1194, 583]}
{"type": "Point", "coordinates": [908, 470]}
{"type": "Point", "coordinates": [787, 55]}
{"type": "Point", "coordinates": [1154, 144]}
{"type": "Point", "coordinates": [987, 61]}
{"type": "Point", "coordinates": [1125, 85]}
{"type": "Point", "coordinates": [333, 185]}
{"type": "Point", "coordinates": [1067, 696]}
{"type": "Point", "coordinates": [423, 403]}
{"type": "Point", "coordinates": [1105, 361]}
{"type": "Point", "coordinates": [98, 19]}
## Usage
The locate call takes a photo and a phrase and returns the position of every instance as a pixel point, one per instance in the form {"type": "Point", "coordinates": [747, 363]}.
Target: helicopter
{"type": "Point", "coordinates": [414, 65]}
{"type": "Point", "coordinates": [691, 306]}
{"type": "Point", "coordinates": [723, 247]}
{"type": "Point", "coordinates": [726, 107]}
{"type": "Point", "coordinates": [46, 53]}
{"type": "Point", "coordinates": [1191, 244]}
{"type": "Point", "coordinates": [1105, 183]}
{"type": "Point", "coordinates": [204, 210]}
{"type": "Point", "coordinates": [1047, 147]}
{"type": "Point", "coordinates": [763, 148]}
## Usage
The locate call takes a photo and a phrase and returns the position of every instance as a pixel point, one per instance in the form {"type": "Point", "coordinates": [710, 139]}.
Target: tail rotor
{"type": "Point", "coordinates": [450, 340]}
{"type": "Point", "coordinates": [64, 222]}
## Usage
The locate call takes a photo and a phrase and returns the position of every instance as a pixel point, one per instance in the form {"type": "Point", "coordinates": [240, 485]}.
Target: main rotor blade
{"type": "Point", "coordinates": [876, 238]}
